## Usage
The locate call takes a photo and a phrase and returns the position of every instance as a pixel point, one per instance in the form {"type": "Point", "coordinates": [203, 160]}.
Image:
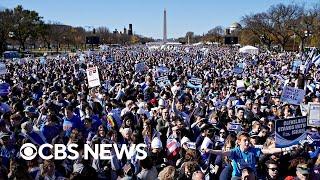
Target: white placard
{"type": "Point", "coordinates": [314, 114]}
{"type": "Point", "coordinates": [240, 86]}
{"type": "Point", "coordinates": [195, 81]}
{"type": "Point", "coordinates": [304, 109]}
{"type": "Point", "coordinates": [93, 77]}
{"type": "Point", "coordinates": [292, 95]}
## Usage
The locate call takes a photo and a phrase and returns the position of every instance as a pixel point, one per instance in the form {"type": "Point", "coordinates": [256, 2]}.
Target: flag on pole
{"type": "Point", "coordinates": [310, 61]}
{"type": "Point", "coordinates": [316, 60]}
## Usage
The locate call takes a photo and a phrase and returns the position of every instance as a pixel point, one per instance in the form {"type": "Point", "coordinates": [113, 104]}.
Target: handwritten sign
{"type": "Point", "coordinates": [292, 95]}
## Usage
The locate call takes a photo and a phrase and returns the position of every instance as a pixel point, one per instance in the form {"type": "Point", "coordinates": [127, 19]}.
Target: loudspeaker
{"type": "Point", "coordinates": [92, 40]}
{"type": "Point", "coordinates": [230, 40]}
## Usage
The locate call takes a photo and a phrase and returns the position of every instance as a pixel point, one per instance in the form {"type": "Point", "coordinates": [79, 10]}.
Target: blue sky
{"type": "Point", "coordinates": [197, 16]}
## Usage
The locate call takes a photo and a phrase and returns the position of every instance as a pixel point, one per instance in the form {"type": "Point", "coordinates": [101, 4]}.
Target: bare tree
{"type": "Point", "coordinates": [260, 26]}
{"type": "Point", "coordinates": [25, 25]}
{"type": "Point", "coordinates": [282, 18]}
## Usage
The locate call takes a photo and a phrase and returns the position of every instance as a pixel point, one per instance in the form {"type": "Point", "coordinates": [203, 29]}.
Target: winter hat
{"type": "Point", "coordinates": [156, 143]}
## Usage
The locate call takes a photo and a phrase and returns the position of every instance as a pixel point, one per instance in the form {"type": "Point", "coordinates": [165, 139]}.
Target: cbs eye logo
{"type": "Point", "coordinates": [28, 151]}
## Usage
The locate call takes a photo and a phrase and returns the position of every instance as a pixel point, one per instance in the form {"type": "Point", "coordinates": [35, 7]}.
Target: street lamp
{"type": "Point", "coordinates": [307, 33]}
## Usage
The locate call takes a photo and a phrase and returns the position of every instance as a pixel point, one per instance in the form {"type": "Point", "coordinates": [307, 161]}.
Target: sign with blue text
{"type": "Point", "coordinates": [292, 95]}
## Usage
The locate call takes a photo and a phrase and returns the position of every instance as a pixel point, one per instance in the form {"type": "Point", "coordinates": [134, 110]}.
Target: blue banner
{"type": "Point", "coordinates": [290, 131]}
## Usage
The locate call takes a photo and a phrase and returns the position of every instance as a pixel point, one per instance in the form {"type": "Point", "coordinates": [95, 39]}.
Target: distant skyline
{"type": "Point", "coordinates": [147, 15]}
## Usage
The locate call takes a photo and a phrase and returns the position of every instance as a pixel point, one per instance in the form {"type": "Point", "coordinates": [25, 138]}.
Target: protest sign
{"type": "Point", "coordinates": [296, 64]}
{"type": "Point", "coordinates": [4, 89]}
{"type": "Point", "coordinates": [195, 83]}
{"type": "Point", "coordinates": [238, 70]}
{"type": "Point", "coordinates": [93, 77]}
{"type": "Point", "coordinates": [314, 114]}
{"type": "Point", "coordinates": [234, 127]}
{"type": "Point", "coordinates": [292, 95]}
{"type": "Point", "coordinates": [162, 81]}
{"type": "Point", "coordinates": [161, 71]}
{"type": "Point", "coordinates": [110, 60]}
{"type": "Point", "coordinates": [290, 131]}
{"type": "Point", "coordinates": [240, 86]}
{"type": "Point", "coordinates": [3, 69]}
{"type": "Point", "coordinates": [304, 109]}
{"type": "Point", "coordinates": [140, 67]}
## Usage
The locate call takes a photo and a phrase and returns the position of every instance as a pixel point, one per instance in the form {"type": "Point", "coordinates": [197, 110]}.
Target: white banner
{"type": "Point", "coordinates": [292, 95]}
{"type": "Point", "coordinates": [93, 77]}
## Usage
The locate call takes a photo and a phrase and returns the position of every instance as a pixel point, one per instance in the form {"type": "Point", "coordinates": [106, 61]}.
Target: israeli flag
{"type": "Point", "coordinates": [309, 61]}
{"type": "Point", "coordinates": [316, 60]}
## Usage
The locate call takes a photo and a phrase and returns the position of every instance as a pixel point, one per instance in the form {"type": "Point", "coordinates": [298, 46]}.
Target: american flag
{"type": "Point", "coordinates": [173, 148]}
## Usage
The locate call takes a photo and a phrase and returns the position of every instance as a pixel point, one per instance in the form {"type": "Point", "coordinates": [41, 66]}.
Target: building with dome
{"type": "Point", "coordinates": [235, 27]}
{"type": "Point", "coordinates": [232, 33]}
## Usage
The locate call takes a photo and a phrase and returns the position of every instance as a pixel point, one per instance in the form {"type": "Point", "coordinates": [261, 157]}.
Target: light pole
{"type": "Point", "coordinates": [294, 42]}
{"type": "Point", "coordinates": [307, 33]}
{"type": "Point", "coordinates": [64, 41]}
{"type": "Point", "coordinates": [262, 39]}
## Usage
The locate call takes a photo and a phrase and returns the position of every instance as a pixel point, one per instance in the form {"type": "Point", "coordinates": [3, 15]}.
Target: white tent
{"type": "Point", "coordinates": [249, 49]}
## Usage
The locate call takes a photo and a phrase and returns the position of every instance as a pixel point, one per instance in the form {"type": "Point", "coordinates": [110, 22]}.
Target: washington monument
{"type": "Point", "coordinates": [165, 26]}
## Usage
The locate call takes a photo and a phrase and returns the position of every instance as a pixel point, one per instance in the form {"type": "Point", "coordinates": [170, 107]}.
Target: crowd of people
{"type": "Point", "coordinates": [186, 127]}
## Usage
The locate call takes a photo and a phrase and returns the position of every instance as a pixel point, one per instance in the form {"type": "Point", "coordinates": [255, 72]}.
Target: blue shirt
{"type": "Point", "coordinates": [6, 153]}
{"type": "Point", "coordinates": [242, 159]}
{"type": "Point", "coordinates": [49, 132]}
{"type": "Point", "coordinates": [70, 124]}
{"type": "Point", "coordinates": [96, 122]}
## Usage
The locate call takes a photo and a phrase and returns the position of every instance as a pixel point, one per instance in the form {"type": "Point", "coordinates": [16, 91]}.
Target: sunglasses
{"type": "Point", "coordinates": [273, 169]}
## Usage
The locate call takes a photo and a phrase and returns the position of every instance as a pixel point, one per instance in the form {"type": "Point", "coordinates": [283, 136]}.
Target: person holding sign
{"type": "Point", "coordinates": [245, 155]}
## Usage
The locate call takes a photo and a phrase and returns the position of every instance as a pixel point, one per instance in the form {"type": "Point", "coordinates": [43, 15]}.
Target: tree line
{"type": "Point", "coordinates": [281, 25]}
{"type": "Point", "coordinates": [28, 30]}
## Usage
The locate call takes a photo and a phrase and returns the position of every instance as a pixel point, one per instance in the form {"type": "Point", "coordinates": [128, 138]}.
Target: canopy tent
{"type": "Point", "coordinates": [249, 49]}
